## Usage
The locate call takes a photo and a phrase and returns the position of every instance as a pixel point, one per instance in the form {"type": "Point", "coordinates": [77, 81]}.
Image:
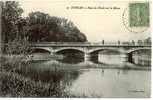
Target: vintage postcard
{"type": "Point", "coordinates": [75, 49]}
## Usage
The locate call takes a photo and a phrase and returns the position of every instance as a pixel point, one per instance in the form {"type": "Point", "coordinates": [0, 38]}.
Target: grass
{"type": "Point", "coordinates": [13, 84]}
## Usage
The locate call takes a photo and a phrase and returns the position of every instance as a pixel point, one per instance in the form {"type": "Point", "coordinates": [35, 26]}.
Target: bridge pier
{"type": "Point", "coordinates": [125, 57]}
{"type": "Point", "coordinates": [52, 53]}
{"type": "Point", "coordinates": [130, 58]}
{"type": "Point", "coordinates": [95, 57]}
{"type": "Point", "coordinates": [87, 57]}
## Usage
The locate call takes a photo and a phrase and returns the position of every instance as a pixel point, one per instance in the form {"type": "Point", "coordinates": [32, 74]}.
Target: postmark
{"type": "Point", "coordinates": [139, 14]}
{"type": "Point", "coordinates": [136, 17]}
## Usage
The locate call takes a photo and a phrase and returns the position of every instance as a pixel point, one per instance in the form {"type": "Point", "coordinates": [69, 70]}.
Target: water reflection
{"type": "Point", "coordinates": [84, 81]}
{"type": "Point", "coordinates": [71, 56]}
{"type": "Point", "coordinates": [112, 58]}
{"type": "Point", "coordinates": [142, 60]}
{"type": "Point", "coordinates": [112, 83]}
{"type": "Point", "coordinates": [111, 78]}
{"type": "Point", "coordinates": [107, 58]}
{"type": "Point", "coordinates": [39, 71]}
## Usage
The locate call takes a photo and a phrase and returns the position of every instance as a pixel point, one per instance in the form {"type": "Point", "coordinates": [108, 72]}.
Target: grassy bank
{"type": "Point", "coordinates": [13, 84]}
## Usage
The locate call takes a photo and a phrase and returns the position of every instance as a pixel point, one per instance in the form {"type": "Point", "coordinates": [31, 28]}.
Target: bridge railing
{"type": "Point", "coordinates": [88, 44]}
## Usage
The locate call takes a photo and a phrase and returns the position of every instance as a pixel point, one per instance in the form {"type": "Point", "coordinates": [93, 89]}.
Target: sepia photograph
{"type": "Point", "coordinates": [75, 49]}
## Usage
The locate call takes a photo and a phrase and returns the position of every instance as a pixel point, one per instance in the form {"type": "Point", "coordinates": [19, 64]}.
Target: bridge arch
{"type": "Point", "coordinates": [137, 49]}
{"type": "Point", "coordinates": [104, 49]}
{"type": "Point", "coordinates": [69, 48]}
{"type": "Point", "coordinates": [41, 49]}
{"type": "Point", "coordinates": [130, 52]}
{"type": "Point", "coordinates": [94, 54]}
{"type": "Point", "coordinates": [70, 55]}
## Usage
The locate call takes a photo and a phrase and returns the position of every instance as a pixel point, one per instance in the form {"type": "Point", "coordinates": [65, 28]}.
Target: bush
{"type": "Point", "coordinates": [14, 85]}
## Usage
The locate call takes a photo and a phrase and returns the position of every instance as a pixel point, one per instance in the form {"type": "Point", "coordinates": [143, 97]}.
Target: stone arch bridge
{"type": "Point", "coordinates": [91, 49]}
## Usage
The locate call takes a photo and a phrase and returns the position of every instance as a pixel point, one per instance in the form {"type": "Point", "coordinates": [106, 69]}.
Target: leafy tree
{"type": "Point", "coordinates": [37, 27]}
{"type": "Point", "coordinates": [43, 27]}
{"type": "Point", "coordinates": [11, 14]}
{"type": "Point", "coordinates": [140, 42]}
{"type": "Point", "coordinates": [147, 41]}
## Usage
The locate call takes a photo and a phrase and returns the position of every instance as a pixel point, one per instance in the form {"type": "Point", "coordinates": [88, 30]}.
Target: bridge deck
{"type": "Point", "coordinates": [81, 44]}
{"type": "Point", "coordinates": [84, 44]}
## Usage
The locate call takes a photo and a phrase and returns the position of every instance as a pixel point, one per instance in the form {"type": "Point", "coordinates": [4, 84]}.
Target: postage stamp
{"type": "Point", "coordinates": [139, 14]}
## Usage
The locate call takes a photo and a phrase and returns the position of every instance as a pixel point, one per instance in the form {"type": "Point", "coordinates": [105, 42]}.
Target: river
{"type": "Point", "coordinates": [108, 78]}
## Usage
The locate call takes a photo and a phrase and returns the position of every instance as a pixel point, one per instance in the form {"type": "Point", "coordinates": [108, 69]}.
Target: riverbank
{"type": "Point", "coordinates": [15, 85]}
{"type": "Point", "coordinates": [51, 65]}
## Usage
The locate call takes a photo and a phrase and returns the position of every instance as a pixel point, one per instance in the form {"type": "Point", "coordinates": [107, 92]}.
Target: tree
{"type": "Point", "coordinates": [11, 14]}
{"type": "Point", "coordinates": [37, 27]}
{"type": "Point", "coordinates": [43, 27]}
{"type": "Point", "coordinates": [147, 41]}
{"type": "Point", "coordinates": [14, 31]}
{"type": "Point", "coordinates": [140, 42]}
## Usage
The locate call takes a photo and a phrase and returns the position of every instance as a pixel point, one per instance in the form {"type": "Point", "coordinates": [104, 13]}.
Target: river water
{"type": "Point", "coordinates": [106, 80]}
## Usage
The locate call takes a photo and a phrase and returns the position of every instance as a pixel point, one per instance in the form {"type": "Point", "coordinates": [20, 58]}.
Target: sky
{"type": "Point", "coordinates": [96, 24]}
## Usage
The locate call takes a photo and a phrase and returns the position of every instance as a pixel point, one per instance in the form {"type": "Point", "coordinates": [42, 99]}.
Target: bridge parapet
{"type": "Point", "coordinates": [86, 44]}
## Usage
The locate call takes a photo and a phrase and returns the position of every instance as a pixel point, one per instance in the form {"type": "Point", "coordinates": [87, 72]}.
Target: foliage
{"type": "Point", "coordinates": [11, 15]}
{"type": "Point", "coordinates": [38, 26]}
{"type": "Point", "coordinates": [147, 41]}
{"type": "Point", "coordinates": [140, 42]}
{"type": "Point", "coordinates": [17, 53]}
{"type": "Point", "coordinates": [14, 85]}
{"type": "Point", "coordinates": [43, 27]}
